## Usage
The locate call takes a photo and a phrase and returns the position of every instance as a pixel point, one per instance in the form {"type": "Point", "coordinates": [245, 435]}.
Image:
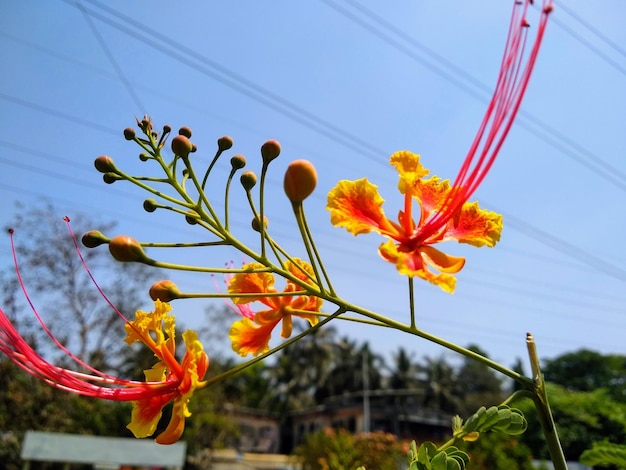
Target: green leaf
{"type": "Point", "coordinates": [605, 453]}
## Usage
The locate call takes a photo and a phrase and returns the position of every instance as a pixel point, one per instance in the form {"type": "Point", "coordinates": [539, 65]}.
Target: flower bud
{"type": "Point", "coordinates": [164, 290]}
{"type": "Point", "coordinates": [94, 238]}
{"type": "Point", "coordinates": [167, 129]}
{"type": "Point", "coordinates": [270, 150]}
{"type": "Point", "coordinates": [104, 164]}
{"type": "Point", "coordinates": [129, 133]}
{"type": "Point", "coordinates": [300, 180]}
{"type": "Point", "coordinates": [185, 131]}
{"type": "Point", "coordinates": [150, 205]}
{"type": "Point", "coordinates": [144, 157]}
{"type": "Point", "coordinates": [192, 217]}
{"type": "Point", "coordinates": [181, 145]}
{"type": "Point", "coordinates": [256, 226]}
{"type": "Point", "coordinates": [110, 178]}
{"type": "Point", "coordinates": [248, 180]}
{"type": "Point", "coordinates": [238, 162]}
{"type": "Point", "coordinates": [224, 143]}
{"type": "Point", "coordinates": [126, 249]}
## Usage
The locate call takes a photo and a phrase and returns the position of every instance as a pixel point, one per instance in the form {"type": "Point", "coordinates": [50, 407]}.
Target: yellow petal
{"type": "Point", "coordinates": [251, 283]}
{"type": "Point", "coordinates": [247, 338]}
{"type": "Point", "coordinates": [431, 194]}
{"type": "Point", "coordinates": [147, 413]}
{"type": "Point", "coordinates": [474, 226]}
{"type": "Point", "coordinates": [302, 270]}
{"type": "Point", "coordinates": [357, 207]}
{"type": "Point", "coordinates": [409, 167]}
{"type": "Point", "coordinates": [413, 264]}
{"type": "Point", "coordinates": [441, 261]}
{"type": "Point", "coordinates": [176, 426]}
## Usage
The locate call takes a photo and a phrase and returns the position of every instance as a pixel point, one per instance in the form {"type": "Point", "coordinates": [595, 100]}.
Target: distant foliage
{"type": "Point", "coordinates": [339, 450]}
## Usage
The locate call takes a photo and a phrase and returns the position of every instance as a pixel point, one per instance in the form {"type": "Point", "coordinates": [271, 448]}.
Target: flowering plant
{"type": "Point", "coordinates": [278, 287]}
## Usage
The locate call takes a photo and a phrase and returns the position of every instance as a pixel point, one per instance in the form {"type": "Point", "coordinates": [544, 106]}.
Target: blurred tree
{"type": "Point", "coordinates": [439, 379]}
{"type": "Point", "coordinates": [63, 292]}
{"type": "Point", "coordinates": [498, 451]}
{"type": "Point", "coordinates": [582, 418]}
{"type": "Point", "coordinates": [585, 371]}
{"type": "Point", "coordinates": [476, 385]}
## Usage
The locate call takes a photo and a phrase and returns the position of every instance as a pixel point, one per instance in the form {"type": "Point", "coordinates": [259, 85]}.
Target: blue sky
{"type": "Point", "coordinates": [421, 85]}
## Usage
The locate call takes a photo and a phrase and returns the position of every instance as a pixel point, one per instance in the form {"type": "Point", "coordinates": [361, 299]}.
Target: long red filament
{"type": "Point", "coordinates": [511, 85]}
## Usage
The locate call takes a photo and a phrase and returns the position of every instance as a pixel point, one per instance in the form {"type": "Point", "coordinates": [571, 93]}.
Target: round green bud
{"type": "Point", "coordinates": [300, 180]}
{"type": "Point", "coordinates": [104, 164]}
{"type": "Point", "coordinates": [150, 205]}
{"type": "Point", "coordinates": [256, 225]}
{"type": "Point", "coordinates": [270, 150]}
{"type": "Point", "coordinates": [238, 162]}
{"type": "Point", "coordinates": [110, 178]}
{"type": "Point", "coordinates": [126, 249]}
{"type": "Point", "coordinates": [129, 133]}
{"type": "Point", "coordinates": [186, 131]}
{"type": "Point", "coordinates": [248, 180]}
{"type": "Point", "coordinates": [93, 238]}
{"type": "Point", "coordinates": [144, 157]}
{"type": "Point", "coordinates": [224, 143]}
{"type": "Point", "coordinates": [192, 217]}
{"type": "Point", "coordinates": [181, 145]}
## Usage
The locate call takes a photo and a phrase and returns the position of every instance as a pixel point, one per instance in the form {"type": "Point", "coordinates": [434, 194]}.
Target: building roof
{"type": "Point", "coordinates": [74, 448]}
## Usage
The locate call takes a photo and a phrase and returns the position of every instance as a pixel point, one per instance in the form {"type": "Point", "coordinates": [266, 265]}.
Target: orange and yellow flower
{"type": "Point", "coordinates": [252, 335]}
{"type": "Point", "coordinates": [157, 331]}
{"type": "Point", "coordinates": [357, 206]}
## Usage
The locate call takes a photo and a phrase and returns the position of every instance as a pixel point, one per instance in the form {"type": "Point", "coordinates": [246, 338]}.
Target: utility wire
{"type": "Point", "coordinates": [59, 114]}
{"type": "Point", "coordinates": [203, 64]}
{"type": "Point", "coordinates": [389, 33]}
{"type": "Point", "coordinates": [538, 234]}
{"type": "Point", "coordinates": [615, 46]}
{"type": "Point", "coordinates": [111, 58]}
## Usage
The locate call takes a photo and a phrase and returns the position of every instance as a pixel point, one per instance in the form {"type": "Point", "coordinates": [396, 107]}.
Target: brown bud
{"type": "Point", "coordinates": [224, 143]}
{"type": "Point", "coordinates": [94, 238]}
{"type": "Point", "coordinates": [129, 133]}
{"type": "Point", "coordinates": [248, 180]}
{"type": "Point", "coordinates": [181, 145]}
{"type": "Point", "coordinates": [164, 290]}
{"type": "Point", "coordinates": [167, 129]}
{"type": "Point", "coordinates": [186, 131]}
{"type": "Point", "coordinates": [238, 162]}
{"type": "Point", "coordinates": [126, 249]}
{"type": "Point", "coordinates": [300, 180]}
{"type": "Point", "coordinates": [256, 226]}
{"type": "Point", "coordinates": [270, 150]}
{"type": "Point", "coordinates": [104, 164]}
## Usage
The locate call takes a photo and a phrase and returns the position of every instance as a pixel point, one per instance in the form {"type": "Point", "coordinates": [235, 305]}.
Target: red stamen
{"type": "Point", "coordinates": [511, 85]}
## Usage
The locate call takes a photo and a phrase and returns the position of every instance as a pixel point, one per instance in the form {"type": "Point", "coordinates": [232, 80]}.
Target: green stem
{"type": "Point", "coordinates": [297, 210]}
{"type": "Point", "coordinates": [540, 399]}
{"type": "Point", "coordinates": [412, 303]}
{"type": "Point", "coordinates": [274, 350]}
{"type": "Point", "coordinates": [318, 258]}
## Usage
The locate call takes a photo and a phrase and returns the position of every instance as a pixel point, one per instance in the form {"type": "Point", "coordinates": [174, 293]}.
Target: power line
{"type": "Point", "coordinates": [59, 114]}
{"type": "Point", "coordinates": [203, 64]}
{"type": "Point", "coordinates": [111, 58]}
{"type": "Point", "coordinates": [389, 33]}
